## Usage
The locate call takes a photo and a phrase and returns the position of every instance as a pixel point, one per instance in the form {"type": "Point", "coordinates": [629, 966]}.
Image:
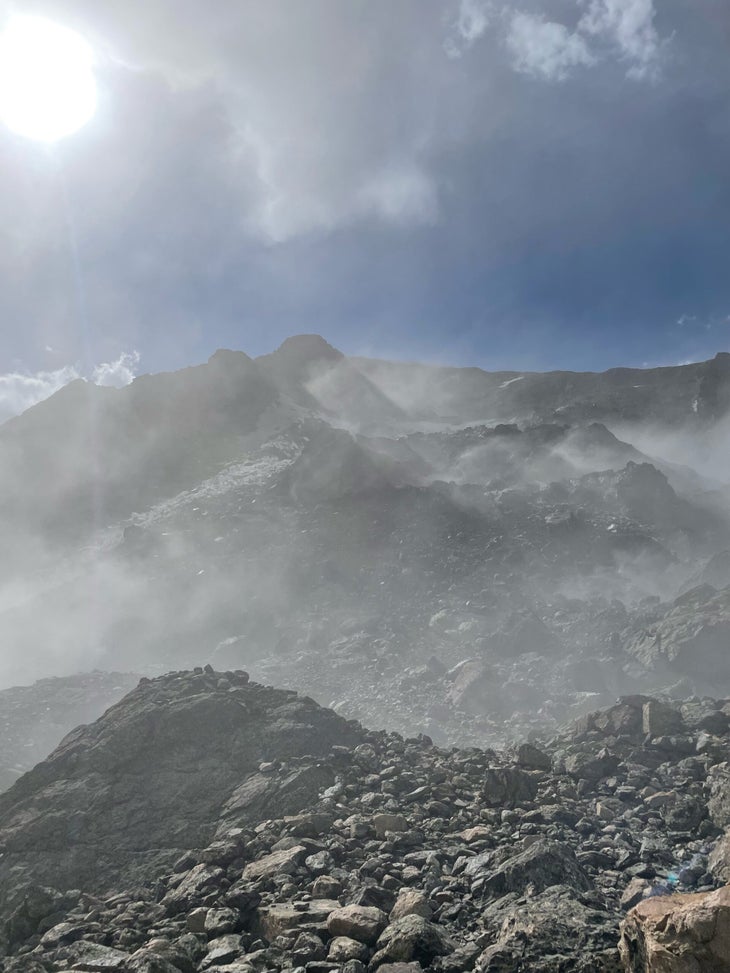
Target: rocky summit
{"type": "Point", "coordinates": [209, 823]}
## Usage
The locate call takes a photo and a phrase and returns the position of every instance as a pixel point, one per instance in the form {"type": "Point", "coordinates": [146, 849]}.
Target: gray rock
{"type": "Point", "coordinates": [508, 787]}
{"type": "Point", "coordinates": [342, 949]}
{"type": "Point", "coordinates": [543, 864]}
{"type": "Point", "coordinates": [411, 902]}
{"type": "Point", "coordinates": [411, 938]}
{"type": "Point", "coordinates": [553, 932]}
{"type": "Point", "coordinates": [277, 863]}
{"type": "Point", "coordinates": [363, 923]}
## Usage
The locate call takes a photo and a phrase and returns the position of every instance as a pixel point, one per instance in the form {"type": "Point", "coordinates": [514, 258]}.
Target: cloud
{"type": "Point", "coordinates": [261, 169]}
{"type": "Point", "coordinates": [117, 373]}
{"type": "Point", "coordinates": [472, 20]}
{"type": "Point", "coordinates": [628, 25]}
{"type": "Point", "coordinates": [608, 29]}
{"type": "Point", "coordinates": [21, 390]}
{"type": "Point", "coordinates": [545, 49]}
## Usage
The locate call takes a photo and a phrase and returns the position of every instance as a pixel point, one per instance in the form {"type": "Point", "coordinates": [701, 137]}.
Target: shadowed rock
{"type": "Point", "coordinates": [129, 793]}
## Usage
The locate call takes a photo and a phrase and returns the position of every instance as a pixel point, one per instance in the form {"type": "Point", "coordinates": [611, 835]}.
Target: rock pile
{"type": "Point", "coordinates": [302, 842]}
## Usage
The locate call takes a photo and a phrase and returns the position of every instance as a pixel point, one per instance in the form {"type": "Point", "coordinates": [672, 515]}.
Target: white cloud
{"type": "Point", "coordinates": [21, 390]}
{"type": "Point", "coordinates": [117, 373]}
{"type": "Point", "coordinates": [545, 49]}
{"type": "Point", "coordinates": [628, 25]}
{"type": "Point", "coordinates": [472, 20]}
{"type": "Point", "coordinates": [607, 30]}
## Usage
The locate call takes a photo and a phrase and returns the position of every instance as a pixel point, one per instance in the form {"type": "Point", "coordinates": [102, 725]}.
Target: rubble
{"type": "Point", "coordinates": [387, 850]}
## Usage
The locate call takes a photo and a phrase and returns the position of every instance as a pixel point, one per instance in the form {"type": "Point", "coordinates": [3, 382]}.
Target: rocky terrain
{"type": "Point", "coordinates": [206, 822]}
{"type": "Point", "coordinates": [419, 592]}
{"type": "Point", "coordinates": [448, 551]}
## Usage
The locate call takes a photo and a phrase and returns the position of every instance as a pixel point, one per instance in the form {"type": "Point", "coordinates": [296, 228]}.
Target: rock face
{"type": "Point", "coordinates": [692, 636]}
{"type": "Point", "coordinates": [680, 933]}
{"type": "Point", "coordinates": [147, 781]}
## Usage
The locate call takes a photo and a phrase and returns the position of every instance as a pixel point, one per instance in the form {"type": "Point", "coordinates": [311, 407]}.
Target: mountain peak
{"type": "Point", "coordinates": [308, 347]}
{"type": "Point", "coordinates": [225, 356]}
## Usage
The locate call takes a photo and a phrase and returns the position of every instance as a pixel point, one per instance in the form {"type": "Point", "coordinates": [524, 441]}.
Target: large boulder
{"type": "Point", "coordinates": [360, 922]}
{"type": "Point", "coordinates": [678, 934]}
{"type": "Point", "coordinates": [508, 787]}
{"type": "Point", "coordinates": [541, 865]}
{"type": "Point", "coordinates": [552, 932]}
{"type": "Point", "coordinates": [411, 938]}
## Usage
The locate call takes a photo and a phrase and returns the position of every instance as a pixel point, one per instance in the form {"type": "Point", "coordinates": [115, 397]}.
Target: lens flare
{"type": "Point", "coordinates": [47, 85]}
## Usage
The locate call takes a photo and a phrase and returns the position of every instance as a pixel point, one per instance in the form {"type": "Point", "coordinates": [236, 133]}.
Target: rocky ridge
{"type": "Point", "coordinates": [304, 842]}
{"type": "Point", "coordinates": [34, 719]}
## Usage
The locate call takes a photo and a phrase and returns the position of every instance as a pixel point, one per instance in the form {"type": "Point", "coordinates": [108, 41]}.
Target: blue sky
{"type": "Point", "coordinates": [534, 185]}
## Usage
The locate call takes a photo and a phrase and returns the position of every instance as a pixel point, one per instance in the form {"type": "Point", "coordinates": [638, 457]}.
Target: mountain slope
{"type": "Point", "coordinates": [298, 516]}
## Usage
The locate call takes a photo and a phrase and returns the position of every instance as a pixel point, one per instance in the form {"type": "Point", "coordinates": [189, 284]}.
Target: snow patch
{"type": "Point", "coordinates": [511, 381]}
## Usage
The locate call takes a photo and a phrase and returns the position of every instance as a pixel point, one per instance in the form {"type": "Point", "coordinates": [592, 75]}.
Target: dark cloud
{"type": "Point", "coordinates": [536, 186]}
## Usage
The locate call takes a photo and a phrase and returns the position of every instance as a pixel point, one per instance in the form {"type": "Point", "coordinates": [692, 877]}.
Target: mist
{"type": "Point", "coordinates": [303, 515]}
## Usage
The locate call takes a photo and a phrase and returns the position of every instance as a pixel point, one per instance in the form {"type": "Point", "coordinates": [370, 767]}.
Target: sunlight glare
{"type": "Point", "coordinates": [47, 84]}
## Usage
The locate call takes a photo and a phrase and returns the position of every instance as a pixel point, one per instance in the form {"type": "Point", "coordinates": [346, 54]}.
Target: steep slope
{"type": "Point", "coordinates": [90, 455]}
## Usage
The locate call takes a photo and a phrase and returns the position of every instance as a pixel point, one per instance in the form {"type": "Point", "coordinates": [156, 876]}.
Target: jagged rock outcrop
{"type": "Point", "coordinates": [691, 637]}
{"type": "Point", "coordinates": [121, 799]}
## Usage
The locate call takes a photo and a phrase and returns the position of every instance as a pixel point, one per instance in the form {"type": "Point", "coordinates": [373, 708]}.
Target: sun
{"type": "Point", "coordinates": [47, 84]}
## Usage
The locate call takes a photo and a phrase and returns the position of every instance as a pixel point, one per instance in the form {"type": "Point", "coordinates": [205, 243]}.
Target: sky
{"type": "Point", "coordinates": [536, 185]}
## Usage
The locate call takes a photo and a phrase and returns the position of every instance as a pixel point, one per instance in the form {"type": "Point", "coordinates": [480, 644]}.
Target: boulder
{"type": "Point", "coordinates": [660, 719]}
{"type": "Point", "coordinates": [411, 938]}
{"type": "Point", "coordinates": [592, 766]}
{"type": "Point", "coordinates": [678, 934]}
{"type": "Point", "coordinates": [360, 922]}
{"type": "Point", "coordinates": [542, 864]}
{"type": "Point", "coordinates": [342, 949]}
{"type": "Point", "coordinates": [277, 863]}
{"type": "Point", "coordinates": [410, 902]}
{"type": "Point", "coordinates": [389, 822]}
{"type": "Point", "coordinates": [274, 920]}
{"type": "Point", "coordinates": [508, 787]}
{"type": "Point", "coordinates": [530, 757]}
{"type": "Point", "coordinates": [553, 932]}
{"type": "Point", "coordinates": [718, 804]}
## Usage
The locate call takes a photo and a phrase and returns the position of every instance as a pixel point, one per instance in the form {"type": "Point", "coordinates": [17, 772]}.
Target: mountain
{"type": "Point", "coordinates": [472, 553]}
{"type": "Point", "coordinates": [672, 395]}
